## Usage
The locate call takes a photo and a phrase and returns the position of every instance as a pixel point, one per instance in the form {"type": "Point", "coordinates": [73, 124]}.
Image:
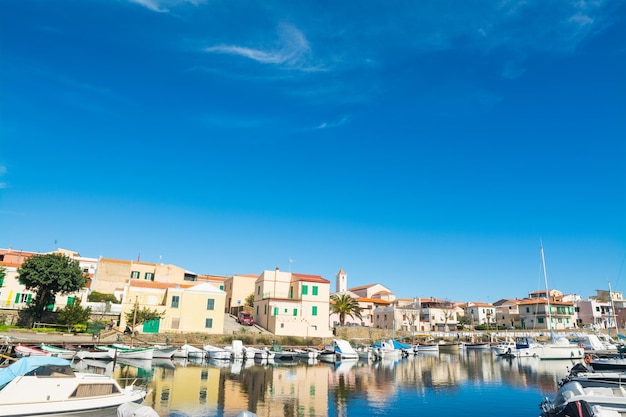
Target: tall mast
{"type": "Point", "coordinates": [545, 279]}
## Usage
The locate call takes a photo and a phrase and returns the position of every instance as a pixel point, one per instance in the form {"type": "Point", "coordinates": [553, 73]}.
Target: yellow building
{"type": "Point", "coordinates": [112, 274]}
{"type": "Point", "coordinates": [185, 307]}
{"type": "Point", "coordinates": [292, 304]}
{"type": "Point", "coordinates": [238, 288]}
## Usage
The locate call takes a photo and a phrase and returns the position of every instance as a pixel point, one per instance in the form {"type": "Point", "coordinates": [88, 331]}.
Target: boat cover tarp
{"type": "Point", "coordinates": [620, 336]}
{"type": "Point", "coordinates": [26, 365]}
{"type": "Point", "coordinates": [396, 345]}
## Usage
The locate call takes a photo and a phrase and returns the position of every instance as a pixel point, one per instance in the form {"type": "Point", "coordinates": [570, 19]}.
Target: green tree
{"type": "Point", "coordinates": [142, 315]}
{"type": "Point", "coordinates": [98, 297]}
{"type": "Point", "coordinates": [345, 305]}
{"type": "Point", "coordinates": [73, 314]}
{"type": "Point", "coordinates": [250, 300]}
{"type": "Point", "coordinates": [49, 275]}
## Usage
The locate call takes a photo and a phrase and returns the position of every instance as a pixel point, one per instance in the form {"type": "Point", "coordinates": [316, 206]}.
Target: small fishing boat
{"type": "Point", "coordinates": [57, 351]}
{"type": "Point", "coordinates": [308, 353]}
{"type": "Point", "coordinates": [189, 351]}
{"type": "Point", "coordinates": [216, 353]}
{"type": "Point", "coordinates": [164, 352]}
{"type": "Point", "coordinates": [261, 354]}
{"type": "Point", "coordinates": [22, 351]}
{"type": "Point", "coordinates": [125, 351]}
{"type": "Point", "coordinates": [93, 353]}
{"type": "Point", "coordinates": [47, 386]}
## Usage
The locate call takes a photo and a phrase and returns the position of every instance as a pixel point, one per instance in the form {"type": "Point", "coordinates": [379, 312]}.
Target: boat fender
{"type": "Point", "coordinates": [587, 359]}
{"type": "Point", "coordinates": [320, 347]}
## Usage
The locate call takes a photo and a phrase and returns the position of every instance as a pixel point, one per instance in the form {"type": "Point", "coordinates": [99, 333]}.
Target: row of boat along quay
{"type": "Point", "coordinates": [384, 379]}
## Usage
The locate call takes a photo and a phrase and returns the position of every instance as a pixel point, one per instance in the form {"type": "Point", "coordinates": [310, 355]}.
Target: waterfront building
{"type": "Point", "coordinates": [185, 307]}
{"type": "Point", "coordinates": [534, 313]}
{"type": "Point", "coordinates": [480, 313]}
{"type": "Point", "coordinates": [238, 288]}
{"type": "Point", "coordinates": [292, 304]}
{"type": "Point", "coordinates": [369, 297]}
{"type": "Point", "coordinates": [507, 313]}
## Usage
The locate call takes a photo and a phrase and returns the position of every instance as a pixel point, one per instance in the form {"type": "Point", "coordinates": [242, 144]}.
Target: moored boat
{"type": "Point", "coordinates": [214, 352]}
{"type": "Point", "coordinates": [94, 353]}
{"type": "Point", "coordinates": [22, 351]}
{"type": "Point", "coordinates": [47, 386]}
{"type": "Point", "coordinates": [344, 351]}
{"type": "Point", "coordinates": [57, 351]}
{"type": "Point", "coordinates": [163, 351]}
{"type": "Point", "coordinates": [125, 351]}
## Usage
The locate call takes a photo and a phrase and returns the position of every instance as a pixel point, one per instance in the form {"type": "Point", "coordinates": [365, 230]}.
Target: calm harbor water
{"type": "Point", "coordinates": [468, 383]}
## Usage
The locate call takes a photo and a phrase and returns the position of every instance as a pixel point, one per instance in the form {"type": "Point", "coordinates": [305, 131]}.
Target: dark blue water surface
{"type": "Point", "coordinates": [468, 383]}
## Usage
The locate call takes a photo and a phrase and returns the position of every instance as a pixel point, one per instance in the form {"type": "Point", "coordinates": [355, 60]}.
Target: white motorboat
{"type": "Point", "coordinates": [430, 347]}
{"type": "Point", "coordinates": [343, 350]}
{"type": "Point", "coordinates": [572, 399]}
{"type": "Point", "coordinates": [308, 353]}
{"type": "Point", "coordinates": [236, 349]}
{"type": "Point", "coordinates": [58, 352]}
{"type": "Point", "coordinates": [189, 351]}
{"type": "Point", "coordinates": [559, 348]}
{"type": "Point", "coordinates": [214, 352]}
{"type": "Point", "coordinates": [47, 386]}
{"type": "Point", "coordinates": [386, 349]}
{"type": "Point", "coordinates": [262, 354]}
{"type": "Point", "coordinates": [521, 348]}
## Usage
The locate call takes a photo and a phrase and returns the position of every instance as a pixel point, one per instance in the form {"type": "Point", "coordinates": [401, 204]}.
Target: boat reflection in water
{"type": "Point", "coordinates": [468, 383]}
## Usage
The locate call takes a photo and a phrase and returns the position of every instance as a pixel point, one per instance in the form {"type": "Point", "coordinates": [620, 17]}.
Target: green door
{"type": "Point", "coordinates": [151, 326]}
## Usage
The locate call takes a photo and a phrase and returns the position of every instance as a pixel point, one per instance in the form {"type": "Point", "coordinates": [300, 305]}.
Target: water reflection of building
{"type": "Point", "coordinates": [295, 390]}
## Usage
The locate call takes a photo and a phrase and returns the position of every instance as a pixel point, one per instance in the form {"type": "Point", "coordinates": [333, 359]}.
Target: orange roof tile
{"type": "Point", "coordinates": [310, 278]}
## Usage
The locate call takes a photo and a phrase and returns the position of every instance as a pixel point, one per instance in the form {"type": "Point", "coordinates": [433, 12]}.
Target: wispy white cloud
{"type": "Point", "coordinates": [329, 125]}
{"type": "Point", "coordinates": [164, 6]}
{"type": "Point", "coordinates": [293, 51]}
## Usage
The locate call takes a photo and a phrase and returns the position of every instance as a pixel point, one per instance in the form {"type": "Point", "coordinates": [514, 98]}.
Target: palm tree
{"type": "Point", "coordinates": [345, 305]}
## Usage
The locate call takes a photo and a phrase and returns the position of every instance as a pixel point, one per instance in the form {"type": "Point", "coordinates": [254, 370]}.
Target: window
{"type": "Point", "coordinates": [258, 290]}
{"type": "Point", "coordinates": [314, 311]}
{"type": "Point", "coordinates": [315, 290]}
{"type": "Point", "coordinates": [291, 292]}
{"type": "Point", "coordinates": [208, 323]}
{"type": "Point", "coordinates": [175, 322]}
{"type": "Point", "coordinates": [295, 311]}
{"type": "Point", "coordinates": [175, 300]}
{"type": "Point", "coordinates": [540, 320]}
{"type": "Point", "coordinates": [275, 311]}
{"type": "Point", "coordinates": [135, 274]}
{"type": "Point", "coordinates": [222, 287]}
{"type": "Point", "coordinates": [149, 276]}
{"type": "Point", "coordinates": [210, 304]}
{"type": "Point", "coordinates": [305, 289]}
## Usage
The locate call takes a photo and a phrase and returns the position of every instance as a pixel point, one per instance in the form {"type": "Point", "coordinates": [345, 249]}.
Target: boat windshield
{"type": "Point", "coordinates": [51, 370]}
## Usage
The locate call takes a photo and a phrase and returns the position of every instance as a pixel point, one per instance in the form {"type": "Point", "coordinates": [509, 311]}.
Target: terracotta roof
{"type": "Point", "coordinates": [310, 278]}
{"type": "Point", "coordinates": [158, 285]}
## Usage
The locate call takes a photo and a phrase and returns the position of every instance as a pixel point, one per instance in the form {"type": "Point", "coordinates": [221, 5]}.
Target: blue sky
{"type": "Point", "coordinates": [425, 145]}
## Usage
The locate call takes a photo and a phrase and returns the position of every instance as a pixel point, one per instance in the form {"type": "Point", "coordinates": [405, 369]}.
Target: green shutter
{"type": "Point", "coordinates": [30, 296]}
{"type": "Point", "coordinates": [275, 311]}
{"type": "Point", "coordinates": [210, 304]}
{"type": "Point", "coordinates": [315, 290]}
{"type": "Point", "coordinates": [305, 289]}
{"type": "Point", "coordinates": [314, 312]}
{"type": "Point", "coordinates": [70, 301]}
{"type": "Point", "coordinates": [295, 311]}
{"type": "Point", "coordinates": [17, 298]}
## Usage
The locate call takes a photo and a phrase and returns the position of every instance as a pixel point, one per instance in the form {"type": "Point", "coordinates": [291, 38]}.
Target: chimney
{"type": "Point", "coordinates": [277, 269]}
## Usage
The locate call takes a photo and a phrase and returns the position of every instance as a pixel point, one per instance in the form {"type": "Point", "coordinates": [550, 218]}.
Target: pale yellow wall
{"type": "Point", "coordinates": [191, 313]}
{"type": "Point", "coordinates": [294, 315]}
{"type": "Point", "coordinates": [113, 274]}
{"type": "Point", "coordinates": [238, 288]}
